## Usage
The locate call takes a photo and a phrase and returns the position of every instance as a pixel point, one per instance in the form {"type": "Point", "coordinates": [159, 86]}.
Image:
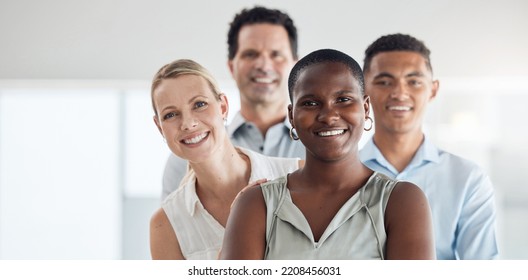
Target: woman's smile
{"type": "Point", "coordinates": [195, 139]}
{"type": "Point", "coordinates": [333, 132]}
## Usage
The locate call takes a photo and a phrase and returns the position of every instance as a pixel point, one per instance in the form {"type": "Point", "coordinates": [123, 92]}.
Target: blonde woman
{"type": "Point", "coordinates": [190, 113]}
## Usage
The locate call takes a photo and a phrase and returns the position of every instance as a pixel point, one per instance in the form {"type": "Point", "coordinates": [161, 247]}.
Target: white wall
{"type": "Point", "coordinates": [60, 196]}
{"type": "Point", "coordinates": [81, 161]}
{"type": "Point", "coordinates": [118, 39]}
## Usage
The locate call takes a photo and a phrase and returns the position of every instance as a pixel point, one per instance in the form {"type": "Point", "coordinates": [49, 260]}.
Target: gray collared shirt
{"type": "Point", "coordinates": [276, 142]}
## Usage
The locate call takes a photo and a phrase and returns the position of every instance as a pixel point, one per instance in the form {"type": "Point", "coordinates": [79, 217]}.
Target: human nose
{"type": "Point", "coordinates": [328, 115]}
{"type": "Point", "coordinates": [188, 121]}
{"type": "Point", "coordinates": [264, 62]}
{"type": "Point", "coordinates": [400, 91]}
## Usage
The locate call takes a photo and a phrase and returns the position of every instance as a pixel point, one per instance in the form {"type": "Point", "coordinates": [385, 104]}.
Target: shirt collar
{"type": "Point", "coordinates": [189, 185]}
{"type": "Point", "coordinates": [427, 152]}
{"type": "Point", "coordinates": [370, 151]}
{"type": "Point", "coordinates": [189, 192]}
{"type": "Point", "coordinates": [238, 121]}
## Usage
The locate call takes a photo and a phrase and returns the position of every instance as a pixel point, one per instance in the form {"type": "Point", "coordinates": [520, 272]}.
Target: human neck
{"type": "Point", "coordinates": [328, 176]}
{"type": "Point", "coordinates": [398, 148]}
{"type": "Point", "coordinates": [224, 174]}
{"type": "Point", "coordinates": [264, 116]}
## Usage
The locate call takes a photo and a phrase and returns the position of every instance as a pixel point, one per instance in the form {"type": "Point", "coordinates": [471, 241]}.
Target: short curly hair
{"type": "Point", "coordinates": [396, 42]}
{"type": "Point", "coordinates": [257, 15]}
{"type": "Point", "coordinates": [323, 56]}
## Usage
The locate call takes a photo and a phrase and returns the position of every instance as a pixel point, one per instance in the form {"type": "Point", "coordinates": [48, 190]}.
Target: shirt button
{"type": "Point", "coordinates": [261, 148]}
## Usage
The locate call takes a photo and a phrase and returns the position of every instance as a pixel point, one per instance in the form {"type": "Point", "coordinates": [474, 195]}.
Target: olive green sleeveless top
{"type": "Point", "coordinates": [357, 231]}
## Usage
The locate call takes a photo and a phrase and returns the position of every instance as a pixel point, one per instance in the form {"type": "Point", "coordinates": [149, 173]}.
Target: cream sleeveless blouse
{"type": "Point", "coordinates": [200, 235]}
{"type": "Point", "coordinates": [356, 232]}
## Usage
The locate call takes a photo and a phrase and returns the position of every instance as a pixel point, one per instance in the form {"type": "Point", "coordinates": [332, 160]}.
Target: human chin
{"type": "Point", "coordinates": [263, 89]}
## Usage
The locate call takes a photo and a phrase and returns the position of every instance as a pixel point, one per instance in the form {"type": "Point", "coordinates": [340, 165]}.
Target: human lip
{"type": "Point", "coordinates": [399, 108]}
{"type": "Point", "coordinates": [263, 80]}
{"type": "Point", "coordinates": [195, 139]}
{"type": "Point", "coordinates": [332, 132]}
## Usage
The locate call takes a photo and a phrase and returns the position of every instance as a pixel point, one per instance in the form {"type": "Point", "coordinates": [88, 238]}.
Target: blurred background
{"type": "Point", "coordinates": [81, 159]}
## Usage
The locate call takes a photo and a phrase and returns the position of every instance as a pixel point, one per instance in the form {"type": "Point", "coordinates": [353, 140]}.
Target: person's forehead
{"type": "Point", "coordinates": [324, 67]}
{"type": "Point", "coordinates": [398, 61]}
{"type": "Point", "coordinates": [326, 73]}
{"type": "Point", "coordinates": [263, 34]}
{"type": "Point", "coordinates": [182, 85]}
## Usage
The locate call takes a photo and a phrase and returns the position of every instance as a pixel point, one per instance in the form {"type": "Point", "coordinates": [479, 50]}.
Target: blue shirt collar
{"type": "Point", "coordinates": [427, 152]}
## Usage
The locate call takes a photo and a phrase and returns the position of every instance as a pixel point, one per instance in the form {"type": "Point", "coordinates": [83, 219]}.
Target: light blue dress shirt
{"type": "Point", "coordinates": [276, 143]}
{"type": "Point", "coordinates": [460, 196]}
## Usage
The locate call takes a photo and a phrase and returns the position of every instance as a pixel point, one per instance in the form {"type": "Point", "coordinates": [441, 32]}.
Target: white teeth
{"type": "Point", "coordinates": [264, 80]}
{"type": "Point", "coordinates": [331, 132]}
{"type": "Point", "coordinates": [196, 139]}
{"type": "Point", "coordinates": [399, 108]}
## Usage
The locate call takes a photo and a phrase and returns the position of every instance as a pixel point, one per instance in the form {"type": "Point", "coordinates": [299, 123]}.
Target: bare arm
{"type": "Point", "coordinates": [245, 234]}
{"type": "Point", "coordinates": [163, 242]}
{"type": "Point", "coordinates": [408, 224]}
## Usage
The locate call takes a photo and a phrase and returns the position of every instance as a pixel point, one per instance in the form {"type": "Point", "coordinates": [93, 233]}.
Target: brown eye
{"type": "Point", "coordinates": [382, 83]}
{"type": "Point", "coordinates": [309, 103]}
{"type": "Point", "coordinates": [343, 99]}
{"type": "Point", "coordinates": [415, 83]}
{"type": "Point", "coordinates": [277, 56]}
{"type": "Point", "coordinates": [249, 54]}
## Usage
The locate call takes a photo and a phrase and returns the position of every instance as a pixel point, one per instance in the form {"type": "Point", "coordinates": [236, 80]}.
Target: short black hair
{"type": "Point", "coordinates": [255, 15]}
{"type": "Point", "coordinates": [324, 56]}
{"type": "Point", "coordinates": [396, 42]}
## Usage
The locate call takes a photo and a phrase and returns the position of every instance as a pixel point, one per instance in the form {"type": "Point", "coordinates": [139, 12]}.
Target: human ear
{"type": "Point", "coordinates": [366, 104]}
{"type": "Point", "coordinates": [231, 67]}
{"type": "Point", "coordinates": [158, 125]}
{"type": "Point", "coordinates": [224, 105]}
{"type": "Point", "coordinates": [290, 114]}
{"type": "Point", "coordinates": [434, 89]}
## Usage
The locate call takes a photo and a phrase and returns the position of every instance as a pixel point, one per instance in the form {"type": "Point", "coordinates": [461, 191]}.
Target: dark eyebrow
{"type": "Point", "coordinates": [246, 51]}
{"type": "Point", "coordinates": [383, 75]}
{"type": "Point", "coordinates": [388, 75]}
{"type": "Point", "coordinates": [306, 96]}
{"type": "Point", "coordinates": [337, 93]}
{"type": "Point", "coordinates": [415, 74]}
{"type": "Point", "coordinates": [344, 91]}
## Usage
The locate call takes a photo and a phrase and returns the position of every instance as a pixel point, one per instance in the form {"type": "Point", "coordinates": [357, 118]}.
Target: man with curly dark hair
{"type": "Point", "coordinates": [399, 81]}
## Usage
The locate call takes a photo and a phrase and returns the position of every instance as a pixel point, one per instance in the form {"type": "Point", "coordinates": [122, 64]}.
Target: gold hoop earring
{"type": "Point", "coordinates": [293, 136]}
{"type": "Point", "coordinates": [371, 123]}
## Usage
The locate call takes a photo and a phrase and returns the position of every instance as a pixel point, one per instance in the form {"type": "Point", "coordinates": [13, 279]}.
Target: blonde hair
{"type": "Point", "coordinates": [182, 67]}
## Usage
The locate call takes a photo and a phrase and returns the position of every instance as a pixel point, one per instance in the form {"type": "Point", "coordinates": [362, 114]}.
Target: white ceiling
{"type": "Point", "coordinates": [118, 39]}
